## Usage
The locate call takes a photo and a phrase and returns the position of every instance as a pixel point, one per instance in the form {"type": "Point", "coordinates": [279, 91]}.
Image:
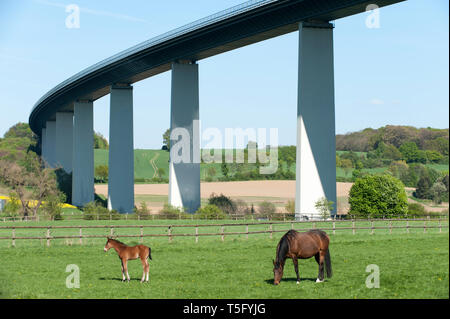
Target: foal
{"type": "Point", "coordinates": [130, 253]}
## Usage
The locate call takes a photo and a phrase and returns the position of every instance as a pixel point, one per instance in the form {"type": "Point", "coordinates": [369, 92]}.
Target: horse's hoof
{"type": "Point", "coordinates": [318, 280]}
{"type": "Point", "coordinates": [298, 282]}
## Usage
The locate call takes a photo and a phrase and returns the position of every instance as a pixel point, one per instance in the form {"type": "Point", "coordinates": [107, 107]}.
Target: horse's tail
{"type": "Point", "coordinates": [150, 253]}
{"type": "Point", "coordinates": [328, 264]}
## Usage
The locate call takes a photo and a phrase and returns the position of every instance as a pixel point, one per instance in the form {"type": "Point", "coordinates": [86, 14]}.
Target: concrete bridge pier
{"type": "Point", "coordinates": [121, 150]}
{"type": "Point", "coordinates": [44, 145]}
{"type": "Point", "coordinates": [50, 142]}
{"type": "Point", "coordinates": [316, 145]}
{"type": "Point", "coordinates": [184, 167]}
{"type": "Point", "coordinates": [83, 153]}
{"type": "Point", "coordinates": [64, 140]}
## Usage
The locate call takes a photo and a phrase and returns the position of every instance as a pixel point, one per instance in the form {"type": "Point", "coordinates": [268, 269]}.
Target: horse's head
{"type": "Point", "coordinates": [277, 272]}
{"type": "Point", "coordinates": [108, 244]}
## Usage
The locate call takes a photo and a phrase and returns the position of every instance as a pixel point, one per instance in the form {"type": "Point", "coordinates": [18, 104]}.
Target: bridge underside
{"type": "Point", "coordinates": [63, 118]}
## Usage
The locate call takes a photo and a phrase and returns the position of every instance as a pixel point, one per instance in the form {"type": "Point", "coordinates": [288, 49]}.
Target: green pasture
{"type": "Point", "coordinates": [412, 265]}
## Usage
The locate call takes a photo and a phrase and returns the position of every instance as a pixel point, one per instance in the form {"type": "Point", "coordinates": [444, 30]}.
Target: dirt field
{"type": "Point", "coordinates": [281, 189]}
{"type": "Point", "coordinates": [252, 192]}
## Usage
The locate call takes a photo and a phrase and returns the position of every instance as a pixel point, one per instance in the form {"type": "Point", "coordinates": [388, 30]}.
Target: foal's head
{"type": "Point", "coordinates": [277, 272]}
{"type": "Point", "coordinates": [109, 244]}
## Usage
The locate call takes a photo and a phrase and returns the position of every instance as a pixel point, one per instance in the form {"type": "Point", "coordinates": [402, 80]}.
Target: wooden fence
{"type": "Point", "coordinates": [331, 226]}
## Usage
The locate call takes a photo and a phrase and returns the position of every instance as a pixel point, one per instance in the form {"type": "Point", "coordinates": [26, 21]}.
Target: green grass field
{"type": "Point", "coordinates": [144, 169]}
{"type": "Point", "coordinates": [414, 265]}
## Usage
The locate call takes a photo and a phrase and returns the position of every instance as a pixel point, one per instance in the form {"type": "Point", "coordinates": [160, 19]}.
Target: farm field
{"type": "Point", "coordinates": [413, 265]}
{"type": "Point", "coordinates": [144, 169]}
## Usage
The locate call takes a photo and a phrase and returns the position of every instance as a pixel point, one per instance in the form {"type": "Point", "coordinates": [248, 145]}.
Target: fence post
{"type": "Point", "coordinates": [48, 237]}
{"type": "Point", "coordinates": [353, 227]}
{"type": "Point", "coordinates": [14, 237]}
{"type": "Point", "coordinates": [246, 231]}
{"type": "Point", "coordinates": [170, 234]}
{"type": "Point", "coordinates": [440, 225]}
{"type": "Point", "coordinates": [196, 234]}
{"type": "Point", "coordinates": [111, 231]}
{"type": "Point", "coordinates": [292, 225]}
{"type": "Point", "coordinates": [390, 226]}
{"type": "Point", "coordinates": [270, 230]}
{"type": "Point", "coordinates": [424, 226]}
{"type": "Point", "coordinates": [223, 236]}
{"type": "Point", "coordinates": [81, 236]}
{"type": "Point", "coordinates": [142, 234]}
{"type": "Point", "coordinates": [407, 227]}
{"type": "Point", "coordinates": [334, 227]}
{"type": "Point", "coordinates": [371, 222]}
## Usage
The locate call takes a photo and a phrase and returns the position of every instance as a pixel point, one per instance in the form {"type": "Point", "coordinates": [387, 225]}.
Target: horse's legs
{"type": "Point", "coordinates": [147, 269]}
{"type": "Point", "coordinates": [320, 258]}
{"type": "Point", "coordinates": [123, 273]}
{"type": "Point", "coordinates": [295, 260]}
{"type": "Point", "coordinates": [144, 269]}
{"type": "Point", "coordinates": [125, 269]}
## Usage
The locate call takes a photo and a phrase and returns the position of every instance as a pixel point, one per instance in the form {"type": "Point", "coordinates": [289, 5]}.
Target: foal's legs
{"type": "Point", "coordinates": [145, 267]}
{"type": "Point", "coordinates": [295, 260]}
{"type": "Point", "coordinates": [320, 258]}
{"type": "Point", "coordinates": [123, 273]}
{"type": "Point", "coordinates": [125, 270]}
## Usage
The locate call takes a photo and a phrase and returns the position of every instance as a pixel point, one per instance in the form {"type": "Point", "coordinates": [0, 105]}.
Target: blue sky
{"type": "Point", "coordinates": [396, 74]}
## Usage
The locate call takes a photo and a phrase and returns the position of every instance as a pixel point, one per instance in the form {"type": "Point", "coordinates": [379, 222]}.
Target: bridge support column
{"type": "Point", "coordinates": [64, 140]}
{"type": "Point", "coordinates": [184, 167]}
{"type": "Point", "coordinates": [44, 145]}
{"type": "Point", "coordinates": [121, 150]}
{"type": "Point", "coordinates": [50, 141]}
{"type": "Point", "coordinates": [83, 153]}
{"type": "Point", "coordinates": [316, 144]}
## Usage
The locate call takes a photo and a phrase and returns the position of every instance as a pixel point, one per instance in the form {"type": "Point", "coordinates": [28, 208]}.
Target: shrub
{"type": "Point", "coordinates": [210, 212]}
{"type": "Point", "coordinates": [378, 196]}
{"type": "Point", "coordinates": [226, 204]}
{"type": "Point", "coordinates": [171, 212]}
{"type": "Point", "coordinates": [267, 209]}
{"type": "Point", "coordinates": [53, 206]}
{"type": "Point", "coordinates": [325, 207]}
{"type": "Point", "coordinates": [143, 211]}
{"type": "Point", "coordinates": [417, 210]}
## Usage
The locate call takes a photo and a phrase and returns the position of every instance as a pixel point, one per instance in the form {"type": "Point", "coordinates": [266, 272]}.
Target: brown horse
{"type": "Point", "coordinates": [303, 245]}
{"type": "Point", "coordinates": [130, 253]}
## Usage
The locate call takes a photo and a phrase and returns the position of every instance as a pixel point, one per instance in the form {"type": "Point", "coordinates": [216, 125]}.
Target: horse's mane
{"type": "Point", "coordinates": [283, 247]}
{"type": "Point", "coordinates": [117, 241]}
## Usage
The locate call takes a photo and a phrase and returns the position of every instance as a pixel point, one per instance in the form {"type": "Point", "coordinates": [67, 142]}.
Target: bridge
{"type": "Point", "coordinates": [63, 117]}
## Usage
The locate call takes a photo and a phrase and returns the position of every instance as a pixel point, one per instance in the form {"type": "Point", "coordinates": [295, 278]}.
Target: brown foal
{"type": "Point", "coordinates": [130, 253]}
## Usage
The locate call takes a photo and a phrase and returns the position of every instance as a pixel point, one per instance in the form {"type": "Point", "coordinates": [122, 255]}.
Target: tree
{"type": "Point", "coordinates": [423, 188]}
{"type": "Point", "coordinates": [166, 139]}
{"type": "Point", "coordinates": [100, 142]}
{"type": "Point", "coordinates": [102, 172]}
{"type": "Point", "coordinates": [31, 185]}
{"type": "Point", "coordinates": [224, 168]}
{"type": "Point", "coordinates": [437, 191]}
{"type": "Point", "coordinates": [211, 172]}
{"type": "Point", "coordinates": [267, 209]}
{"type": "Point", "coordinates": [325, 207]}
{"type": "Point", "coordinates": [160, 172]}
{"type": "Point", "coordinates": [410, 152]}
{"type": "Point", "coordinates": [347, 165]}
{"type": "Point", "coordinates": [378, 196]}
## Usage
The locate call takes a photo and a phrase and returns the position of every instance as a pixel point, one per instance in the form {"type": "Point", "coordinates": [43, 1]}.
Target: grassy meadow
{"type": "Point", "coordinates": [412, 265]}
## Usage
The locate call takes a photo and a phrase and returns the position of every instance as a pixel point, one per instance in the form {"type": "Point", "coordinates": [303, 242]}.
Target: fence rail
{"type": "Point", "coordinates": [269, 229]}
